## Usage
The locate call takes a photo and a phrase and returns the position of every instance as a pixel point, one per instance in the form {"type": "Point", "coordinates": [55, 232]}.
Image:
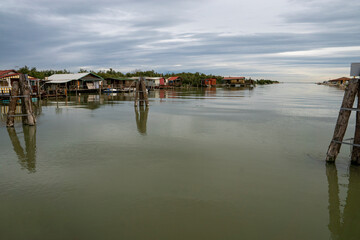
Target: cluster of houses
{"type": "Point", "coordinates": [340, 82]}
{"type": "Point", "coordinates": [88, 82]}
{"type": "Point", "coordinates": [6, 78]}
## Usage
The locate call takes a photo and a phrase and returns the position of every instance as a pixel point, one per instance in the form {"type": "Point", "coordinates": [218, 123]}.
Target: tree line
{"type": "Point", "coordinates": [192, 79]}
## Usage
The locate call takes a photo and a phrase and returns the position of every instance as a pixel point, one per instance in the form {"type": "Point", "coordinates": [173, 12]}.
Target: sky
{"type": "Point", "coordinates": [286, 40]}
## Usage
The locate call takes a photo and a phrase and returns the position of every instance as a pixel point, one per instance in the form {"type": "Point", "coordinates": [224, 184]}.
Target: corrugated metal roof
{"type": "Point", "coordinates": [233, 78]}
{"type": "Point", "coordinates": [5, 72]}
{"type": "Point", "coordinates": [340, 79]}
{"type": "Point", "coordinates": [64, 78]}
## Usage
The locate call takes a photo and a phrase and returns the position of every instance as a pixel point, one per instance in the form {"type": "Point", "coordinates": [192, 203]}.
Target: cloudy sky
{"type": "Point", "coordinates": [288, 40]}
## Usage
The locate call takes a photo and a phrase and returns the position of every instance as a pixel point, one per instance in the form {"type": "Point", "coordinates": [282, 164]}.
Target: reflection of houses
{"type": "Point", "coordinates": [339, 81]}
{"type": "Point", "coordinates": [208, 82]}
{"type": "Point", "coordinates": [237, 81]}
{"type": "Point", "coordinates": [174, 81]}
{"type": "Point", "coordinates": [4, 110]}
{"type": "Point", "coordinates": [75, 81]}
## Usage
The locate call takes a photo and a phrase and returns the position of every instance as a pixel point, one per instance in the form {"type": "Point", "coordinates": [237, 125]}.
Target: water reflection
{"type": "Point", "coordinates": [347, 225]}
{"type": "Point", "coordinates": [27, 158]}
{"type": "Point", "coordinates": [141, 116]}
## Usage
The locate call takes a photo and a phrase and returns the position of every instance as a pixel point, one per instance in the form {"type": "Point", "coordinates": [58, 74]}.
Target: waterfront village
{"type": "Point", "coordinates": [338, 82]}
{"type": "Point", "coordinates": [60, 83]}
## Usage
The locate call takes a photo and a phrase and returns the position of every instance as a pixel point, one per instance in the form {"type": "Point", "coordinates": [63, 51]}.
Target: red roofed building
{"type": "Point", "coordinates": [6, 77]}
{"type": "Point", "coordinates": [174, 81]}
{"type": "Point", "coordinates": [5, 80]}
{"type": "Point", "coordinates": [342, 80]}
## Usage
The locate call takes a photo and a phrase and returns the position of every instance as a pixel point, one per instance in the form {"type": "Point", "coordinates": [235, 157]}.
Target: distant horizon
{"type": "Point", "coordinates": [170, 72]}
{"type": "Point", "coordinates": [287, 40]}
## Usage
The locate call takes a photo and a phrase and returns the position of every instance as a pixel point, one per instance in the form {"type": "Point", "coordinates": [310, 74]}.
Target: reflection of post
{"type": "Point", "coordinates": [30, 147]}
{"type": "Point", "coordinates": [351, 218]}
{"type": "Point", "coordinates": [16, 143]}
{"type": "Point", "coordinates": [334, 201]}
{"type": "Point", "coordinates": [141, 119]}
{"type": "Point", "coordinates": [27, 160]}
{"type": "Point", "coordinates": [346, 226]}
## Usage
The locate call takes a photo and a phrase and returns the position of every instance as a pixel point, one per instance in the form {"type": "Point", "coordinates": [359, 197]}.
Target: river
{"type": "Point", "coordinates": [197, 164]}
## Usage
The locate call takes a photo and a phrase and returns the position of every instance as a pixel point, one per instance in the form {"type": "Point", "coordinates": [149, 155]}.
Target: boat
{"type": "Point", "coordinates": [111, 90]}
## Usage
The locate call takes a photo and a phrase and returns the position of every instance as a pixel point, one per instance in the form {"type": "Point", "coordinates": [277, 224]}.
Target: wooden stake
{"type": "Point", "coordinates": [355, 155]}
{"type": "Point", "coordinates": [136, 94]}
{"type": "Point", "coordinates": [144, 93]}
{"type": "Point", "coordinates": [342, 121]}
{"type": "Point", "coordinates": [26, 101]}
{"type": "Point", "coordinates": [12, 105]}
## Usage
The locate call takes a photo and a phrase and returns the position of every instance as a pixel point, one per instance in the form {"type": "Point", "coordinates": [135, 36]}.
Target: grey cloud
{"type": "Point", "coordinates": [66, 35]}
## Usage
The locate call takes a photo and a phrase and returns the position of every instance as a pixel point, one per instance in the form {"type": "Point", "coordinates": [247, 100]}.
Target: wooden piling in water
{"type": "Point", "coordinates": [12, 105]}
{"type": "Point", "coordinates": [141, 95]}
{"type": "Point", "coordinates": [26, 101]}
{"type": "Point", "coordinates": [21, 89]}
{"type": "Point", "coordinates": [343, 119]}
{"type": "Point", "coordinates": [355, 155]}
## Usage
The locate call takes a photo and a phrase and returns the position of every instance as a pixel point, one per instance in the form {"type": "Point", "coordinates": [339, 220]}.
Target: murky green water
{"type": "Point", "coordinates": [209, 164]}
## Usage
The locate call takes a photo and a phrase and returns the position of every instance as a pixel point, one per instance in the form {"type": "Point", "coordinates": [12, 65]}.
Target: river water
{"type": "Point", "coordinates": [198, 164]}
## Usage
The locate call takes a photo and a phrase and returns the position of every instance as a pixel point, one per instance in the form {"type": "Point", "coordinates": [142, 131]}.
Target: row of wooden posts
{"type": "Point", "coordinates": [21, 90]}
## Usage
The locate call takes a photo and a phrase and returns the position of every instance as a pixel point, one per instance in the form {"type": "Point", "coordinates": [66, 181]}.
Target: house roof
{"type": "Point", "coordinates": [233, 78]}
{"type": "Point", "coordinates": [11, 74]}
{"type": "Point", "coordinates": [173, 78]}
{"type": "Point", "coordinates": [64, 78]}
{"type": "Point", "coordinates": [340, 79]}
{"type": "Point", "coordinates": [6, 72]}
{"type": "Point", "coordinates": [120, 78]}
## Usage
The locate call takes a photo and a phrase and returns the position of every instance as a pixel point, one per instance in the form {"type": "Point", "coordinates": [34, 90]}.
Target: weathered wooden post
{"type": "Point", "coordinates": [136, 93]}
{"type": "Point", "coordinates": [141, 95]}
{"type": "Point", "coordinates": [12, 106]}
{"type": "Point", "coordinates": [343, 119]}
{"type": "Point", "coordinates": [355, 155]}
{"type": "Point", "coordinates": [26, 104]}
{"type": "Point", "coordinates": [26, 101]}
{"type": "Point", "coordinates": [144, 93]}
{"type": "Point", "coordinates": [351, 90]}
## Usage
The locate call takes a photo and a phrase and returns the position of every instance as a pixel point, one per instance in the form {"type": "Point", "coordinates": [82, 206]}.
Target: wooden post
{"type": "Point", "coordinates": [12, 105]}
{"type": "Point", "coordinates": [136, 94]}
{"type": "Point", "coordinates": [144, 93]}
{"type": "Point", "coordinates": [355, 155]}
{"type": "Point", "coordinates": [342, 121]}
{"type": "Point", "coordinates": [26, 101]}
{"type": "Point", "coordinates": [141, 92]}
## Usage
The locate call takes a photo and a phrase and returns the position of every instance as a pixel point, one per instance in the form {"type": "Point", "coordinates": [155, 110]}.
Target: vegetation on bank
{"type": "Point", "coordinates": [264, 82]}
{"type": "Point", "coordinates": [191, 79]}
